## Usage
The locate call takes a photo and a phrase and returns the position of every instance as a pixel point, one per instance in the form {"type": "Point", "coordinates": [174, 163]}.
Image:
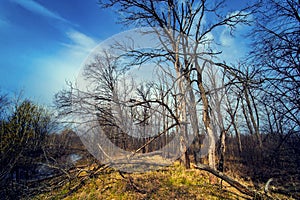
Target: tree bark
{"type": "Point", "coordinates": [206, 120]}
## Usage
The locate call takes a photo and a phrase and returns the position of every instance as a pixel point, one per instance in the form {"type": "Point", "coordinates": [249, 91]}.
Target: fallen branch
{"type": "Point", "coordinates": [294, 193]}
{"type": "Point", "coordinates": [82, 181]}
{"type": "Point", "coordinates": [240, 187]}
{"type": "Point", "coordinates": [133, 185]}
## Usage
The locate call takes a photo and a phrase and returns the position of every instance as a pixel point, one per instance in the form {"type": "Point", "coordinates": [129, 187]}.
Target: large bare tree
{"type": "Point", "coordinates": [186, 35]}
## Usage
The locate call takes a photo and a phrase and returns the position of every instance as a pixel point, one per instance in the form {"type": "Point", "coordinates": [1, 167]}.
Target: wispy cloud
{"type": "Point", "coordinates": [80, 41]}
{"type": "Point", "coordinates": [226, 38]}
{"type": "Point", "coordinates": [37, 8]}
{"type": "Point", "coordinates": [65, 65]}
{"type": "Point", "coordinates": [234, 45]}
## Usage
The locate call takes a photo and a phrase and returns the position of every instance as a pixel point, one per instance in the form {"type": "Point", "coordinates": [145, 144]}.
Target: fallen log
{"type": "Point", "coordinates": [240, 187]}
{"type": "Point", "coordinates": [264, 194]}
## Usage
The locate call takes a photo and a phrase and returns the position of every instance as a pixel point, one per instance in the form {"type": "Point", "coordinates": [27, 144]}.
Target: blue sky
{"type": "Point", "coordinates": [44, 42]}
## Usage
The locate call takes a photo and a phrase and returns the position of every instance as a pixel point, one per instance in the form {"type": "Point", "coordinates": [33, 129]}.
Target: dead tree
{"type": "Point", "coordinates": [184, 31]}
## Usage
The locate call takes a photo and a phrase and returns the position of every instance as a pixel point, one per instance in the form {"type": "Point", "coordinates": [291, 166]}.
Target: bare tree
{"type": "Point", "coordinates": [186, 39]}
{"type": "Point", "coordinates": [276, 38]}
{"type": "Point", "coordinates": [232, 112]}
{"type": "Point", "coordinates": [216, 80]}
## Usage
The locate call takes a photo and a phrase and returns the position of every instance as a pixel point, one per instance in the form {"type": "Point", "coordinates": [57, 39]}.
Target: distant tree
{"type": "Point", "coordinates": [275, 54]}
{"type": "Point", "coordinates": [114, 112]}
{"type": "Point", "coordinates": [4, 101]}
{"type": "Point", "coordinates": [22, 135]}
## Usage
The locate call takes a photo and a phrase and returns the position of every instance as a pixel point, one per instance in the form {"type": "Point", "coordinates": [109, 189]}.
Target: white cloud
{"type": "Point", "coordinates": [226, 38]}
{"type": "Point", "coordinates": [209, 36]}
{"type": "Point", "coordinates": [80, 41]}
{"type": "Point", "coordinates": [234, 47]}
{"type": "Point", "coordinates": [52, 71]}
{"type": "Point", "coordinates": [37, 8]}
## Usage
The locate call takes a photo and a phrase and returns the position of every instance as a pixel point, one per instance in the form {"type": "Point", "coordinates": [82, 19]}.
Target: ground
{"type": "Point", "coordinates": [173, 182]}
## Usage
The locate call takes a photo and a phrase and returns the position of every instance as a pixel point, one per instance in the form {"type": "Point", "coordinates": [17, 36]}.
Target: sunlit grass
{"type": "Point", "coordinates": [173, 182]}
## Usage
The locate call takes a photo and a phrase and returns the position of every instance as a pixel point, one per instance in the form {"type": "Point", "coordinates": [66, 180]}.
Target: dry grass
{"type": "Point", "coordinates": [172, 182]}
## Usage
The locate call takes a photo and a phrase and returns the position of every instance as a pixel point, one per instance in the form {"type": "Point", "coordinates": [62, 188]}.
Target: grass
{"type": "Point", "coordinates": [173, 182]}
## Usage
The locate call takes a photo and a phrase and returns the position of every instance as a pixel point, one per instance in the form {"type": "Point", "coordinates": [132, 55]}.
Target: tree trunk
{"type": "Point", "coordinates": [222, 147]}
{"type": "Point", "coordinates": [222, 151]}
{"type": "Point", "coordinates": [184, 134]}
{"type": "Point", "coordinates": [207, 123]}
{"type": "Point", "coordinates": [211, 148]}
{"type": "Point", "coordinates": [238, 137]}
{"type": "Point", "coordinates": [182, 108]}
{"type": "Point", "coordinates": [254, 123]}
{"type": "Point", "coordinates": [235, 127]}
{"type": "Point", "coordinates": [247, 119]}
